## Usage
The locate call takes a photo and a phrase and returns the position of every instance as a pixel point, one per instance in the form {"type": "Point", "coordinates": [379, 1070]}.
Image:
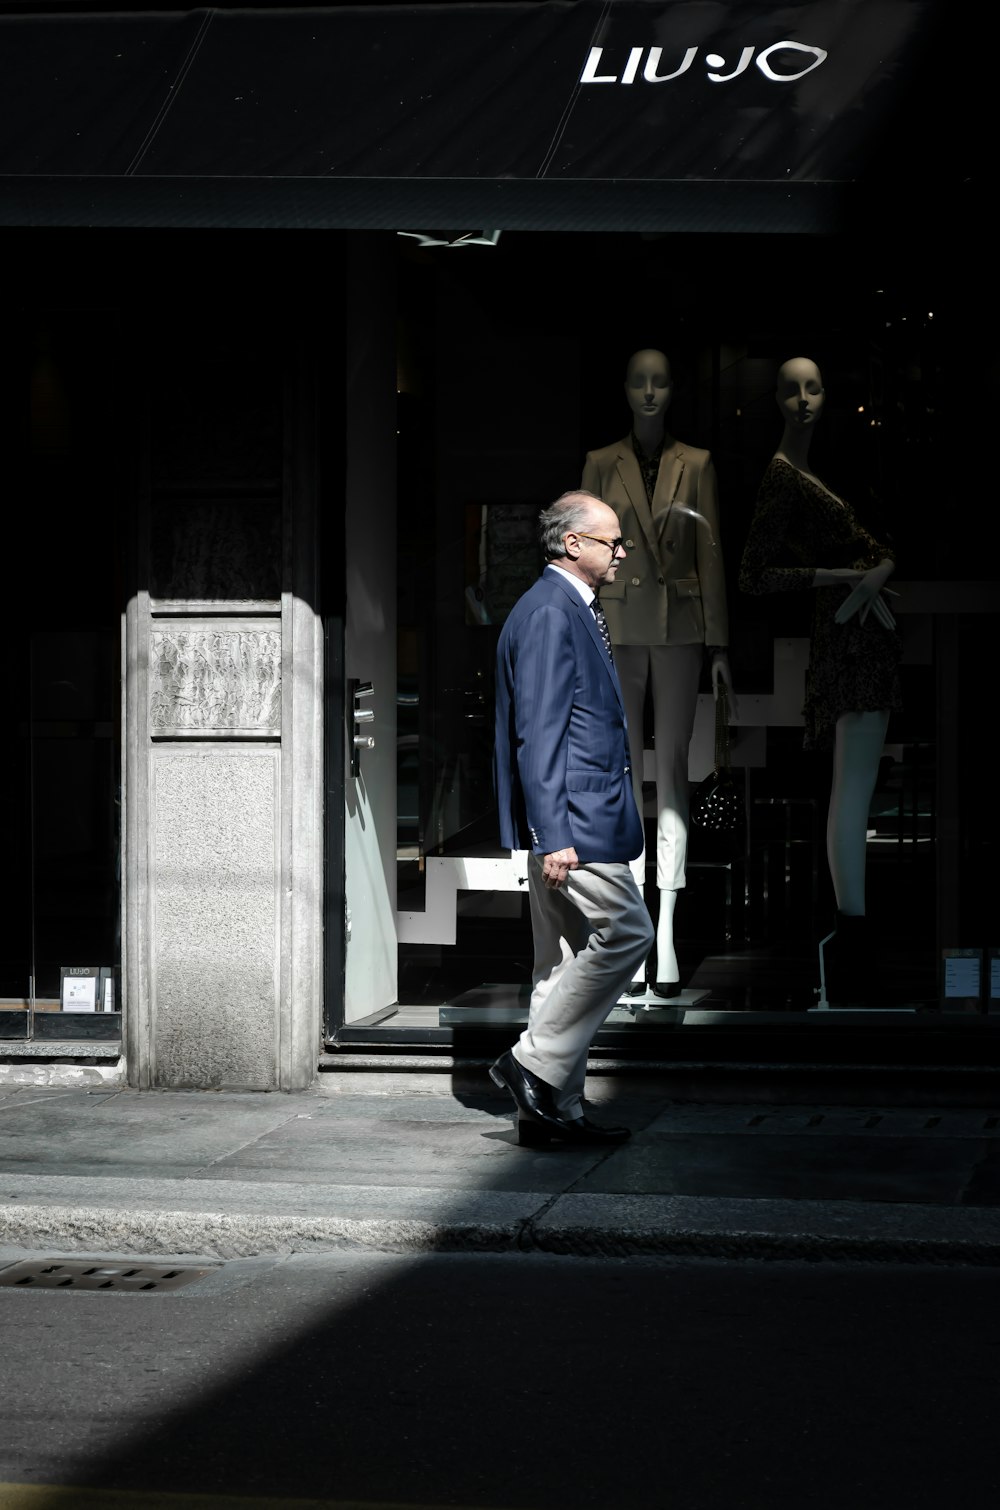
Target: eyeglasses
{"type": "Point", "coordinates": [613, 545]}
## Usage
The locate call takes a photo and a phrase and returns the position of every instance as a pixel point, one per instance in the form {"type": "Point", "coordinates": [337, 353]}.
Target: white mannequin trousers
{"type": "Point", "coordinates": [674, 672]}
{"type": "Point", "coordinates": [590, 935]}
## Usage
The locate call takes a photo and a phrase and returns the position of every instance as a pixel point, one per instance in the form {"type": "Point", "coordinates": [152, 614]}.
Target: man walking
{"type": "Point", "coordinates": [564, 792]}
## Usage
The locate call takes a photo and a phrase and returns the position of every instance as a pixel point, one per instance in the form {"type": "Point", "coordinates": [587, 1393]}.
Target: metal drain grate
{"type": "Point", "coordinates": [99, 1274]}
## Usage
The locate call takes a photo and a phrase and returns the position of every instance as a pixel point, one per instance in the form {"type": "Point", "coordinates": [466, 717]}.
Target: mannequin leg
{"type": "Point", "coordinates": [667, 969]}
{"type": "Point", "coordinates": [632, 663]}
{"type": "Point", "coordinates": [860, 738]}
{"type": "Point", "coordinates": [675, 672]}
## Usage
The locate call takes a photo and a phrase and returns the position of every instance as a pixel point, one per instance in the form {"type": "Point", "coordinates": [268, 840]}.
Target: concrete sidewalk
{"type": "Point", "coordinates": [428, 1164]}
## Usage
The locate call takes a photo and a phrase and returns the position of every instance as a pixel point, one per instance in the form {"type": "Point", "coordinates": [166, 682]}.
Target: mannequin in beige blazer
{"type": "Point", "coordinates": [667, 606]}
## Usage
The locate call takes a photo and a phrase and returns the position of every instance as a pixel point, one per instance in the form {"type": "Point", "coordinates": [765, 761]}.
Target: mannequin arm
{"type": "Point", "coordinates": [765, 546]}
{"type": "Point", "coordinates": [708, 557]}
{"type": "Point", "coordinates": [866, 591]}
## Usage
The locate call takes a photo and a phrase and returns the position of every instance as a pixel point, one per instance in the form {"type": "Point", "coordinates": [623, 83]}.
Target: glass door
{"type": "Point", "coordinates": [59, 928]}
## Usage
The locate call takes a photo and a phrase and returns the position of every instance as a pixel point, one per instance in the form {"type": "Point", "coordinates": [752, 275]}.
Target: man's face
{"type": "Point", "coordinates": [800, 392]}
{"type": "Point", "coordinates": [647, 384]}
{"type": "Point", "coordinates": [598, 557]}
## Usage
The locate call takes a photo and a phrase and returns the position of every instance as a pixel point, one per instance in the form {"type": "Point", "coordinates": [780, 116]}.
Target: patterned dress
{"type": "Point", "coordinates": [853, 667]}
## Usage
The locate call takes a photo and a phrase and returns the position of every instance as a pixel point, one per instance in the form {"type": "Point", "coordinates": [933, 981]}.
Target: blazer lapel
{"type": "Point", "coordinates": [635, 489]}
{"type": "Point", "coordinates": [590, 620]}
{"type": "Point", "coordinates": [668, 482]}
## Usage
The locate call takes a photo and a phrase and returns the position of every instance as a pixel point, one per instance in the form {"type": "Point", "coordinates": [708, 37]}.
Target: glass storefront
{"type": "Point", "coordinates": [511, 367]}
{"type": "Point", "coordinates": [61, 934]}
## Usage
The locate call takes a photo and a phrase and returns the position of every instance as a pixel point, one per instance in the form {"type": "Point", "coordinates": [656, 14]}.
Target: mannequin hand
{"type": "Point", "coordinates": [862, 604]}
{"type": "Point", "coordinates": [721, 674]}
{"type": "Point", "coordinates": [557, 866]}
{"type": "Point", "coordinates": [864, 597]}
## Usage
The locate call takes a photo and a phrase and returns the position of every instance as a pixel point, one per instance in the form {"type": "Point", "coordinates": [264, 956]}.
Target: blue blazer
{"type": "Point", "coordinates": [562, 754]}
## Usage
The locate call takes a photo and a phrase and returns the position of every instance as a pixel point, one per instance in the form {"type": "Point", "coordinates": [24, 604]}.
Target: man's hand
{"type": "Point", "coordinates": [557, 866]}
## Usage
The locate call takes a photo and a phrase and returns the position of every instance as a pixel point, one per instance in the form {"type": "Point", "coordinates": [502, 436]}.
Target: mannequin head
{"type": "Point", "coordinates": [799, 393]}
{"type": "Point", "coordinates": [648, 386]}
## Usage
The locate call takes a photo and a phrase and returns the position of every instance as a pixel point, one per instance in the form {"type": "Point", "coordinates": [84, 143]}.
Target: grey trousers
{"type": "Point", "coordinates": [590, 936]}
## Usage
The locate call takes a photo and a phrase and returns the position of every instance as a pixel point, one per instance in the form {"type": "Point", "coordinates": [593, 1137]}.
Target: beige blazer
{"type": "Point", "coordinates": [671, 590]}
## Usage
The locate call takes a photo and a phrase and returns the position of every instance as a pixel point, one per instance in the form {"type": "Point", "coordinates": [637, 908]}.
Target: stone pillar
{"type": "Point", "coordinates": [223, 726]}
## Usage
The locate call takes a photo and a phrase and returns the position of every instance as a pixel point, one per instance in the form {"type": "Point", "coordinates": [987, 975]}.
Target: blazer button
{"type": "Point", "coordinates": [635, 581]}
{"type": "Point", "coordinates": [660, 580]}
{"type": "Point", "coordinates": [630, 545]}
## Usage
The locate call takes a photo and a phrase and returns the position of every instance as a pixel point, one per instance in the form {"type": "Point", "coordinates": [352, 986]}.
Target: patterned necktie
{"type": "Point", "coordinates": [602, 625]}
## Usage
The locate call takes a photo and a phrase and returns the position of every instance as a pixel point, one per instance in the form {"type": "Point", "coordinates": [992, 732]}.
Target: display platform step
{"type": "Point", "coordinates": [54, 1048]}
{"type": "Point", "coordinates": [682, 1013]}
{"type": "Point", "coordinates": [688, 997]}
{"type": "Point", "coordinates": [516, 1015]}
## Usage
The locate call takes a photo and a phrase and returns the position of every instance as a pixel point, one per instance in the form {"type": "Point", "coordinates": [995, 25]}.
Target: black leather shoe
{"type": "Point", "coordinates": [635, 988]}
{"type": "Point", "coordinates": [539, 1121]}
{"type": "Point", "coordinates": [667, 989]}
{"type": "Point", "coordinates": [535, 1098]}
{"type": "Point", "coordinates": [586, 1131]}
{"type": "Point", "coordinates": [573, 1132]}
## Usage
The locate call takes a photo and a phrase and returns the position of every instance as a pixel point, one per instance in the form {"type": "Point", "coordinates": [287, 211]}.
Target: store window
{"type": "Point", "coordinates": [512, 361]}
{"type": "Point", "coordinates": [60, 928]}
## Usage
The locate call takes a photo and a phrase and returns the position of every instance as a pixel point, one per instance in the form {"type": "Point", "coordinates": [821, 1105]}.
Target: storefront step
{"type": "Point", "coordinates": [368, 1071]}
{"type": "Point", "coordinates": [71, 1064]}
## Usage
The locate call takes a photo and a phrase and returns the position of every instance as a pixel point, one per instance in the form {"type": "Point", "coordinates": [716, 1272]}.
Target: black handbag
{"type": "Point", "coordinates": [718, 805]}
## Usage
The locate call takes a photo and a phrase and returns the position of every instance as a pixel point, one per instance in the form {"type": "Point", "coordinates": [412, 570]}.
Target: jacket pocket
{"type": "Point", "coordinates": [588, 781]}
{"type": "Point", "coordinates": [685, 587]}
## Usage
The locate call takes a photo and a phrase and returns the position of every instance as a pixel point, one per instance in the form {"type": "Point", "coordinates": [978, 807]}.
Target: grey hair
{"type": "Point", "coordinates": [567, 515]}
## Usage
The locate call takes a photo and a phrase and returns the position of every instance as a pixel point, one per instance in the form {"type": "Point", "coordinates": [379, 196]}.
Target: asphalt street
{"type": "Point", "coordinates": [513, 1382]}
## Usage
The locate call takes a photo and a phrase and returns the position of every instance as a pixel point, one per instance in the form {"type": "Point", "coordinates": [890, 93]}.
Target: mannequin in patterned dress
{"type": "Point", "coordinates": [852, 683]}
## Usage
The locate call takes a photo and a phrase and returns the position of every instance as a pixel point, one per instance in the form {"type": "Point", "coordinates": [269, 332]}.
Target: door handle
{"type": "Point", "coordinates": [357, 692]}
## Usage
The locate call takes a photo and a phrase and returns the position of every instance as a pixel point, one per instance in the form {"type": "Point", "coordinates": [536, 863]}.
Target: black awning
{"type": "Point", "coordinates": [688, 114]}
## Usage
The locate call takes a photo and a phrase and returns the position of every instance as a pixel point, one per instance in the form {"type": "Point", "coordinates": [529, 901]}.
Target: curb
{"type": "Point", "coordinates": [741, 1247]}
{"type": "Point", "coordinates": [227, 1235]}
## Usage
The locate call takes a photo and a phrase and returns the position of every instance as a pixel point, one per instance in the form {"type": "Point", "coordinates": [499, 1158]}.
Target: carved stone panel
{"type": "Point", "coordinates": [213, 680]}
